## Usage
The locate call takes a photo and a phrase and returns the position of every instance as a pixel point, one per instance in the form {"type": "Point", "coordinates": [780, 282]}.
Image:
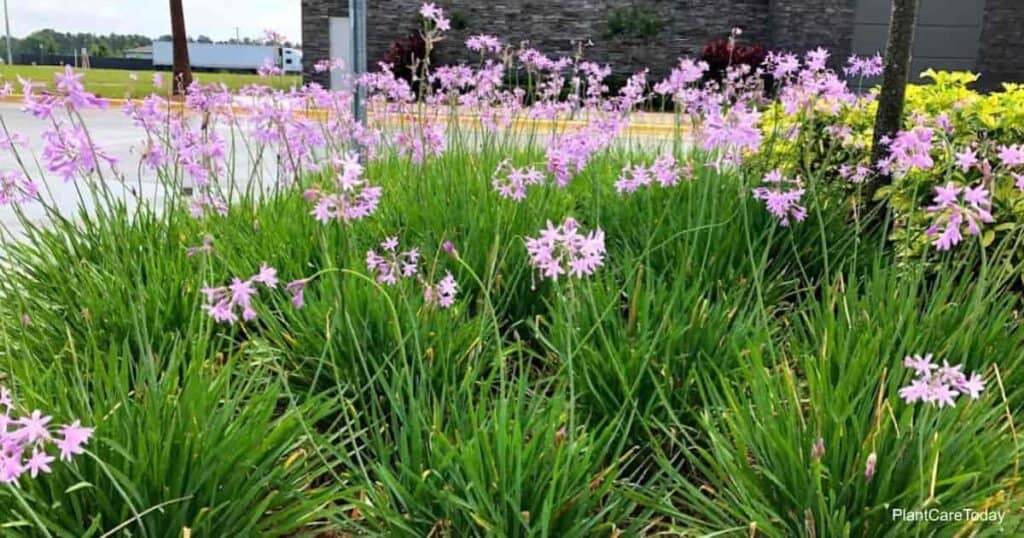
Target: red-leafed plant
{"type": "Point", "coordinates": [405, 54]}
{"type": "Point", "coordinates": [721, 53]}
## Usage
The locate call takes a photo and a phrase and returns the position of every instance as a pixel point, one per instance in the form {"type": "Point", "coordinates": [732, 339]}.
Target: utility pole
{"type": "Point", "coordinates": [7, 22]}
{"type": "Point", "coordinates": [357, 14]}
{"type": "Point", "coordinates": [182, 66]}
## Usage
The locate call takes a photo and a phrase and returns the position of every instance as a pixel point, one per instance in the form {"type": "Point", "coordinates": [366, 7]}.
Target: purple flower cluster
{"type": "Point", "coordinates": [391, 265]}
{"type": "Point", "coordinates": [328, 64]}
{"type": "Point", "coordinates": [353, 197]}
{"type": "Point", "coordinates": [69, 94]}
{"type": "Point", "coordinates": [955, 207]}
{"type": "Point", "coordinates": [1011, 155]}
{"type": "Point", "coordinates": [24, 441]}
{"type": "Point", "coordinates": [569, 154]}
{"type": "Point", "coordinates": [939, 385]}
{"type": "Point", "coordinates": [420, 140]}
{"type": "Point", "coordinates": [562, 249]}
{"type": "Point", "coordinates": [732, 132]}
{"type": "Point", "coordinates": [908, 151]}
{"type": "Point", "coordinates": [681, 78]}
{"type": "Point", "coordinates": [780, 201]}
{"type": "Point", "coordinates": [436, 15]}
{"type": "Point", "coordinates": [484, 43]}
{"type": "Point", "coordinates": [206, 203]}
{"type": "Point", "coordinates": [665, 171]}
{"type": "Point", "coordinates": [443, 293]}
{"type": "Point", "coordinates": [866, 67]}
{"type": "Point", "coordinates": [222, 303]}
{"type": "Point", "coordinates": [269, 68]}
{"type": "Point", "coordinates": [511, 182]}
{"type": "Point", "coordinates": [16, 188]}
{"type": "Point", "coordinates": [69, 152]}
{"type": "Point", "coordinates": [205, 248]}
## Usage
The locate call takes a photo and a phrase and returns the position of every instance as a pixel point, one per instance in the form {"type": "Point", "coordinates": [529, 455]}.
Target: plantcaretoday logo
{"type": "Point", "coordinates": [937, 515]}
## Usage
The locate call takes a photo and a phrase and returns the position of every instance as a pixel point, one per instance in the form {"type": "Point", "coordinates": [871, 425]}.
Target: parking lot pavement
{"type": "Point", "coordinates": [112, 132]}
{"type": "Point", "coordinates": [115, 134]}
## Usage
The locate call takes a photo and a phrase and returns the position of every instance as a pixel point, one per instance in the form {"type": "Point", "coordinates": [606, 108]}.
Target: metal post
{"type": "Point", "coordinates": [357, 14]}
{"type": "Point", "coordinates": [7, 22]}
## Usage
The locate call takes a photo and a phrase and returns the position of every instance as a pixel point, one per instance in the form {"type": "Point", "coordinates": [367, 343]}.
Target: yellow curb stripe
{"type": "Point", "coordinates": [470, 119]}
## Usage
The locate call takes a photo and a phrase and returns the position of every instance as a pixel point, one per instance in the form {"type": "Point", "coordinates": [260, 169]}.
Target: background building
{"type": "Point", "coordinates": [980, 35]}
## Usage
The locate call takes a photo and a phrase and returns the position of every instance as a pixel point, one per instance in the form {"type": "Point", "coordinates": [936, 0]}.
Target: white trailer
{"type": "Point", "coordinates": [230, 57]}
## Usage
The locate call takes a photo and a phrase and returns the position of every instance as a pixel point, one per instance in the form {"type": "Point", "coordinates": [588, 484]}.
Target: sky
{"type": "Point", "coordinates": [214, 18]}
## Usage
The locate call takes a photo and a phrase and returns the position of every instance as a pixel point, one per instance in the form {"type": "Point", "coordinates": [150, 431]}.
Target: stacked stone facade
{"type": "Point", "coordinates": [1001, 57]}
{"type": "Point", "coordinates": [557, 27]}
{"type": "Point", "coordinates": [797, 25]}
{"type": "Point", "coordinates": [316, 43]}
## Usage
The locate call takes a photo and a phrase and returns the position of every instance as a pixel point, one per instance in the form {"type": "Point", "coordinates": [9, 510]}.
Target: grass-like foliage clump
{"type": "Point", "coordinates": [487, 311]}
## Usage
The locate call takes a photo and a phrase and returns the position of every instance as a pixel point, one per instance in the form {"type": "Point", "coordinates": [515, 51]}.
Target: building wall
{"type": "Point", "coordinates": [1000, 57]}
{"type": "Point", "coordinates": [984, 35]}
{"type": "Point", "coordinates": [946, 36]}
{"type": "Point", "coordinates": [316, 44]}
{"type": "Point", "coordinates": [799, 25]}
{"type": "Point", "coordinates": [554, 26]}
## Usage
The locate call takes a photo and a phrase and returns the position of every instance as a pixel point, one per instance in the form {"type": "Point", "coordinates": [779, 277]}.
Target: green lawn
{"type": "Point", "coordinates": [119, 83]}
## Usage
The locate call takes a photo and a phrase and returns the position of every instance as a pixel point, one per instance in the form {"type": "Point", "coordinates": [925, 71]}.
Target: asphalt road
{"type": "Point", "coordinates": [115, 134]}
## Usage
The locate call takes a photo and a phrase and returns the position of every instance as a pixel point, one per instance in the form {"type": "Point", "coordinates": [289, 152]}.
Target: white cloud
{"type": "Point", "coordinates": [214, 18]}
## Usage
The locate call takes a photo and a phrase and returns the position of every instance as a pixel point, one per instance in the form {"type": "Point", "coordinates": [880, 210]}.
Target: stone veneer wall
{"type": "Point", "coordinates": [799, 25]}
{"type": "Point", "coordinates": [552, 26]}
{"type": "Point", "coordinates": [316, 34]}
{"type": "Point", "coordinates": [1000, 57]}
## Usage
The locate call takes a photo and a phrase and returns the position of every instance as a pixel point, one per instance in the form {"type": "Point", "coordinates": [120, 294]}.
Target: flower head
{"type": "Point", "coordinates": [563, 249]}
{"type": "Point", "coordinates": [955, 207]}
{"type": "Point", "coordinates": [938, 385]}
{"type": "Point", "coordinates": [780, 201]}
{"type": "Point", "coordinates": [26, 441]}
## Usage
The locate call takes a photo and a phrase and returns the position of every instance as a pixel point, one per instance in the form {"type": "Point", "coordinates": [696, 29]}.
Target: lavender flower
{"type": "Point", "coordinates": [223, 303]}
{"type": "Point", "coordinates": [390, 265]}
{"type": "Point", "coordinates": [1011, 155]}
{"type": "Point", "coordinates": [664, 171]}
{"type": "Point", "coordinates": [443, 294]}
{"type": "Point", "coordinates": [563, 250]}
{"type": "Point", "coordinates": [68, 152]}
{"type": "Point", "coordinates": [781, 202]}
{"type": "Point", "coordinates": [17, 188]}
{"type": "Point", "coordinates": [298, 289]}
{"type": "Point", "coordinates": [966, 159]}
{"type": "Point", "coordinates": [353, 198]}
{"type": "Point", "coordinates": [484, 43]}
{"type": "Point", "coordinates": [513, 183]}
{"type": "Point", "coordinates": [25, 440]}
{"type": "Point", "coordinates": [869, 66]}
{"type": "Point", "coordinates": [938, 385]}
{"type": "Point", "coordinates": [205, 248]}
{"type": "Point", "coordinates": [954, 207]}
{"type": "Point", "coordinates": [436, 15]}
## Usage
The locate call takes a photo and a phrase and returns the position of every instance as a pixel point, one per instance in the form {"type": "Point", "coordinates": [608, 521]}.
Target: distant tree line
{"type": "Point", "coordinates": [54, 43]}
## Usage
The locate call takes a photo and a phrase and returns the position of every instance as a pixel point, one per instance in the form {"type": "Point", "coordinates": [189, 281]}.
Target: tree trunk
{"type": "Point", "coordinates": [182, 66]}
{"type": "Point", "coordinates": [889, 119]}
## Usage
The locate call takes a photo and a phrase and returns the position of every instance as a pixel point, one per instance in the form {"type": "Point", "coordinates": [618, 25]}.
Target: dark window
{"type": "Point", "coordinates": [288, 61]}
